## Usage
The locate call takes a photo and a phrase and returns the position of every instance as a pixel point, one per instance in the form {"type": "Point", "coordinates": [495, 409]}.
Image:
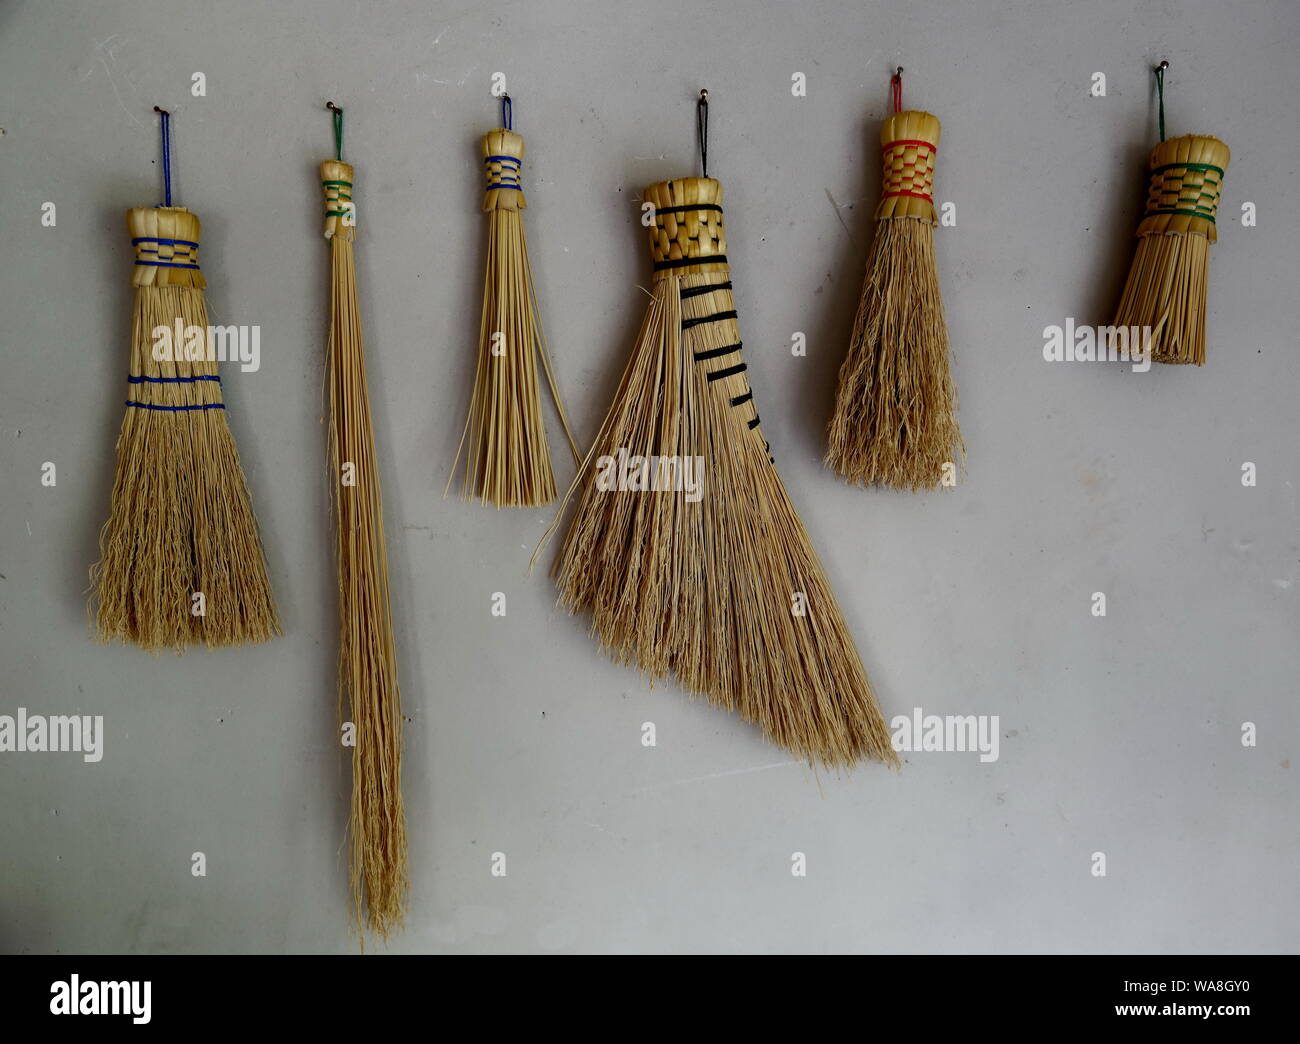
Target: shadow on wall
{"type": "Point", "coordinates": [1111, 233]}
{"type": "Point", "coordinates": [838, 294]}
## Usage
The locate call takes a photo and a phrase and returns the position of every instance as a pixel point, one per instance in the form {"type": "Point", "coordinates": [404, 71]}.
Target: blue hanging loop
{"type": "Point", "coordinates": [166, 154]}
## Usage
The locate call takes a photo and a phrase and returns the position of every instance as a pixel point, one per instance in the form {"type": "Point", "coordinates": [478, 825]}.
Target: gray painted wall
{"type": "Point", "coordinates": [1119, 734]}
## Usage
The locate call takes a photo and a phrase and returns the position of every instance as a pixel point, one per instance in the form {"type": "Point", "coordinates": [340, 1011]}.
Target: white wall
{"type": "Point", "coordinates": [1120, 735]}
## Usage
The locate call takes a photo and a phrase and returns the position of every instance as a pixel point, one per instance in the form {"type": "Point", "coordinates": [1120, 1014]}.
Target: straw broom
{"type": "Point", "coordinates": [894, 420]}
{"type": "Point", "coordinates": [508, 462]}
{"type": "Point", "coordinates": [181, 521]}
{"type": "Point", "coordinates": [1166, 287]}
{"type": "Point", "coordinates": [722, 590]}
{"type": "Point", "coordinates": [368, 688]}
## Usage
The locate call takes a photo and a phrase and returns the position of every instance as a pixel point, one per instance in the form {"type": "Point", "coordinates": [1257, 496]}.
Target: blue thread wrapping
{"type": "Point", "coordinates": [168, 242]}
{"type": "Point", "coordinates": [504, 179]}
{"type": "Point", "coordinates": [132, 379]}
{"type": "Point", "coordinates": [154, 250]}
{"type": "Point", "coordinates": [176, 409]}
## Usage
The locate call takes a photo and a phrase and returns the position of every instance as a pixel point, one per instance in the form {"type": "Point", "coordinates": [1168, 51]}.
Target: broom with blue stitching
{"type": "Point", "coordinates": [181, 562]}
{"type": "Point", "coordinates": [507, 460]}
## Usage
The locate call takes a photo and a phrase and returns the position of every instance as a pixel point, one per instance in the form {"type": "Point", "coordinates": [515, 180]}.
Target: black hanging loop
{"type": "Point", "coordinates": [507, 112]}
{"type": "Point", "coordinates": [336, 115]}
{"type": "Point", "coordinates": [702, 125]}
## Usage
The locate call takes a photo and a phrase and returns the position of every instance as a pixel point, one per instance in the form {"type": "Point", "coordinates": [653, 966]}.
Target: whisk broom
{"type": "Point", "coordinates": [180, 561]}
{"type": "Point", "coordinates": [368, 688]}
{"type": "Point", "coordinates": [723, 589]}
{"type": "Point", "coordinates": [894, 420]}
{"type": "Point", "coordinates": [1166, 287]}
{"type": "Point", "coordinates": [507, 461]}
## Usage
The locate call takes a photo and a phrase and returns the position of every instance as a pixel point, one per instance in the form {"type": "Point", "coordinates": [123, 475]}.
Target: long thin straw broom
{"type": "Point", "coordinates": [508, 462]}
{"type": "Point", "coordinates": [180, 562]}
{"type": "Point", "coordinates": [368, 687]}
{"type": "Point", "coordinates": [1166, 288]}
{"type": "Point", "coordinates": [684, 545]}
{"type": "Point", "coordinates": [894, 422]}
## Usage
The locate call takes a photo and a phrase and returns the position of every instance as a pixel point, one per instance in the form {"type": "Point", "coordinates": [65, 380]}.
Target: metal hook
{"type": "Point", "coordinates": [332, 107]}
{"type": "Point", "coordinates": [704, 95]}
{"type": "Point", "coordinates": [1163, 65]}
{"type": "Point", "coordinates": [163, 111]}
{"type": "Point", "coordinates": [899, 72]}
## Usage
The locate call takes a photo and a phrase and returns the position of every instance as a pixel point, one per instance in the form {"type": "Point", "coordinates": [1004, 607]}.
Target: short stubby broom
{"type": "Point", "coordinates": [684, 545]}
{"type": "Point", "coordinates": [507, 461]}
{"type": "Point", "coordinates": [1164, 296]}
{"type": "Point", "coordinates": [368, 689]}
{"type": "Point", "coordinates": [894, 423]}
{"type": "Point", "coordinates": [180, 562]}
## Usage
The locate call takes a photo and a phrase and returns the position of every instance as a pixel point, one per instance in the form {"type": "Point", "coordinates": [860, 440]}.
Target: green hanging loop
{"type": "Point", "coordinates": [1160, 90]}
{"type": "Point", "coordinates": [338, 130]}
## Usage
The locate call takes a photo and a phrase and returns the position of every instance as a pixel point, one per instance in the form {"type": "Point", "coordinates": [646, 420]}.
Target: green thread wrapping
{"type": "Point", "coordinates": [1189, 166]}
{"type": "Point", "coordinates": [341, 196]}
{"type": "Point", "coordinates": [1160, 89]}
{"type": "Point", "coordinates": [337, 113]}
{"type": "Point", "coordinates": [1197, 209]}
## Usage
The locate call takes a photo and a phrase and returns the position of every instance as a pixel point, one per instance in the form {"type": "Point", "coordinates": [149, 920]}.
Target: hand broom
{"type": "Point", "coordinates": [722, 590]}
{"type": "Point", "coordinates": [894, 420]}
{"type": "Point", "coordinates": [180, 562]}
{"type": "Point", "coordinates": [368, 688]}
{"type": "Point", "coordinates": [1166, 287]}
{"type": "Point", "coordinates": [507, 462]}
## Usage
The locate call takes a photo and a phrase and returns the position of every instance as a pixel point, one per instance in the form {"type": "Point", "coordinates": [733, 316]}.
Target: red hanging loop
{"type": "Point", "coordinates": [896, 89]}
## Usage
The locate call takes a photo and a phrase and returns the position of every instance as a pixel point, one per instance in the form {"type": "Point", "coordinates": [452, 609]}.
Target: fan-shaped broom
{"type": "Point", "coordinates": [180, 558]}
{"type": "Point", "coordinates": [507, 461]}
{"type": "Point", "coordinates": [894, 422]}
{"type": "Point", "coordinates": [717, 583]}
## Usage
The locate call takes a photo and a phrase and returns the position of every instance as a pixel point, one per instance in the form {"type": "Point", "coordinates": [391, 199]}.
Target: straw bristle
{"type": "Point", "coordinates": [1165, 292]}
{"type": "Point", "coordinates": [894, 422]}
{"type": "Point", "coordinates": [181, 519]}
{"type": "Point", "coordinates": [368, 685]}
{"type": "Point", "coordinates": [724, 591]}
{"type": "Point", "coordinates": [507, 460]}
{"type": "Point", "coordinates": [1166, 287]}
